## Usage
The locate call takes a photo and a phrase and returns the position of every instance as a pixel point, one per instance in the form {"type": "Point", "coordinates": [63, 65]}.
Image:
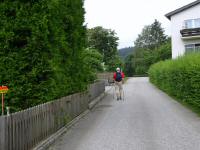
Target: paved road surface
{"type": "Point", "coordinates": [147, 120]}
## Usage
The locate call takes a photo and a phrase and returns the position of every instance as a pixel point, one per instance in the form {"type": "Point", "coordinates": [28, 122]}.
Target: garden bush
{"type": "Point", "coordinates": [41, 50]}
{"type": "Point", "coordinates": [179, 78]}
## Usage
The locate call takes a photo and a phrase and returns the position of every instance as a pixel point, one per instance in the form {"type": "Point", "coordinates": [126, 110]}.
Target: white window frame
{"type": "Point", "coordinates": [193, 23]}
{"type": "Point", "coordinates": [192, 47]}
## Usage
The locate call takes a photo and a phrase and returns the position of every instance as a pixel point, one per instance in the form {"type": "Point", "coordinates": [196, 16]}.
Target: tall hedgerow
{"type": "Point", "coordinates": [41, 48]}
{"type": "Point", "coordinates": [179, 78]}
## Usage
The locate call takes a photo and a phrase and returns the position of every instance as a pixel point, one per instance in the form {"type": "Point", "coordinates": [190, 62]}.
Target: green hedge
{"type": "Point", "coordinates": [179, 78]}
{"type": "Point", "coordinates": [41, 50]}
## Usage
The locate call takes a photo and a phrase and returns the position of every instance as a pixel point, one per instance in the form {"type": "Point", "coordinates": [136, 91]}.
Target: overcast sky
{"type": "Point", "coordinates": [128, 17]}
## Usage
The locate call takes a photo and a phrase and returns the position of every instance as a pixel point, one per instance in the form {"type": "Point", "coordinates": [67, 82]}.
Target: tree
{"type": "Point", "coordinates": [152, 37]}
{"type": "Point", "coordinates": [164, 51]}
{"type": "Point", "coordinates": [92, 63]}
{"type": "Point", "coordinates": [151, 46]}
{"type": "Point", "coordinates": [41, 50]}
{"type": "Point", "coordinates": [128, 66]}
{"type": "Point", "coordinates": [114, 62]}
{"type": "Point", "coordinates": [93, 60]}
{"type": "Point", "coordinates": [104, 40]}
{"type": "Point", "coordinates": [140, 61]}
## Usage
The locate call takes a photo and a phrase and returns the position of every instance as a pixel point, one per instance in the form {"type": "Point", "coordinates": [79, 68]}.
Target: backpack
{"type": "Point", "coordinates": [118, 76]}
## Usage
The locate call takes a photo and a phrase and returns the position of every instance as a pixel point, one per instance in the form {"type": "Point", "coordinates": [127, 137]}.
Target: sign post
{"type": "Point", "coordinates": [3, 90]}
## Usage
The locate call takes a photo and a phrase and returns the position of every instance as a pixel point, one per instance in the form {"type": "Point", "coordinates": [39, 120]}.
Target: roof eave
{"type": "Point", "coordinates": [168, 15]}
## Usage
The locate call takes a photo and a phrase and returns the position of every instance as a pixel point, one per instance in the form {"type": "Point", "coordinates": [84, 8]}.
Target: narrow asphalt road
{"type": "Point", "coordinates": [148, 119]}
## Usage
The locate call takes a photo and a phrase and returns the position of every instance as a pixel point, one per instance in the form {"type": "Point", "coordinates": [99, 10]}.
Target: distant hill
{"type": "Point", "coordinates": [123, 52]}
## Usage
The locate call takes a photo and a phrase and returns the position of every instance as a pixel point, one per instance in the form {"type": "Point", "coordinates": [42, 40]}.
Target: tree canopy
{"type": "Point", "coordinates": [151, 46]}
{"type": "Point", "coordinates": [41, 50]}
{"type": "Point", "coordinates": [104, 40]}
{"type": "Point", "coordinates": [93, 62]}
{"type": "Point", "coordinates": [152, 36]}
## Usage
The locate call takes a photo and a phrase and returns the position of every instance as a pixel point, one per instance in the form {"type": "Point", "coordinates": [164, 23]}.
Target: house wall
{"type": "Point", "coordinates": [177, 22]}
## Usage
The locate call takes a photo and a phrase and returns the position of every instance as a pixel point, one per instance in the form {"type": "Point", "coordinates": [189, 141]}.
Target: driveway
{"type": "Point", "coordinates": [148, 119]}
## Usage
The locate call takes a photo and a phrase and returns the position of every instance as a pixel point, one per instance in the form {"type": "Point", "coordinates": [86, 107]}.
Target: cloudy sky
{"type": "Point", "coordinates": [128, 17]}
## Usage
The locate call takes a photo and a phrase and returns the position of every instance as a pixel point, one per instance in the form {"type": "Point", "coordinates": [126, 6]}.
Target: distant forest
{"type": "Point", "coordinates": [124, 52]}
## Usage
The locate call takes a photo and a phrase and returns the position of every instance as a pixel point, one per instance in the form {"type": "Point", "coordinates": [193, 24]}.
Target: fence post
{"type": "Point", "coordinates": [2, 133]}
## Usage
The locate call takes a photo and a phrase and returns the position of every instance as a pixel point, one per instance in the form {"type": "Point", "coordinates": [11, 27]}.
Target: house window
{"type": "Point", "coordinates": [192, 23]}
{"type": "Point", "coordinates": [197, 47]}
{"type": "Point", "coordinates": [197, 23]}
{"type": "Point", "coordinates": [188, 24]}
{"type": "Point", "coordinates": [192, 48]}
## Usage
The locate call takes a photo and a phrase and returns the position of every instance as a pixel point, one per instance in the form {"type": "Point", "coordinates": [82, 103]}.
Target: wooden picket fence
{"type": "Point", "coordinates": [24, 130]}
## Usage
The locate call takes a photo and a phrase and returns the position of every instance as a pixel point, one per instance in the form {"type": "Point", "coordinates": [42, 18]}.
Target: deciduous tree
{"type": "Point", "coordinates": [104, 40]}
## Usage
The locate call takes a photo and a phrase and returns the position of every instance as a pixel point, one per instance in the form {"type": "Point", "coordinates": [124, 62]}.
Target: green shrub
{"type": "Point", "coordinates": [179, 78]}
{"type": "Point", "coordinates": [41, 48]}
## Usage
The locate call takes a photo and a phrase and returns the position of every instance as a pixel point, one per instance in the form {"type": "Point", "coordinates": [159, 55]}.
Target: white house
{"type": "Point", "coordinates": [185, 24]}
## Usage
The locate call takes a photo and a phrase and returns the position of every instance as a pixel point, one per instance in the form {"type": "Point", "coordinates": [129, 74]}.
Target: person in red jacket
{"type": "Point", "coordinates": [118, 77]}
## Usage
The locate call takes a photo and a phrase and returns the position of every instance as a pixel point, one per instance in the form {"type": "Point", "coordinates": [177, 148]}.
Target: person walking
{"type": "Point", "coordinates": [118, 77]}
